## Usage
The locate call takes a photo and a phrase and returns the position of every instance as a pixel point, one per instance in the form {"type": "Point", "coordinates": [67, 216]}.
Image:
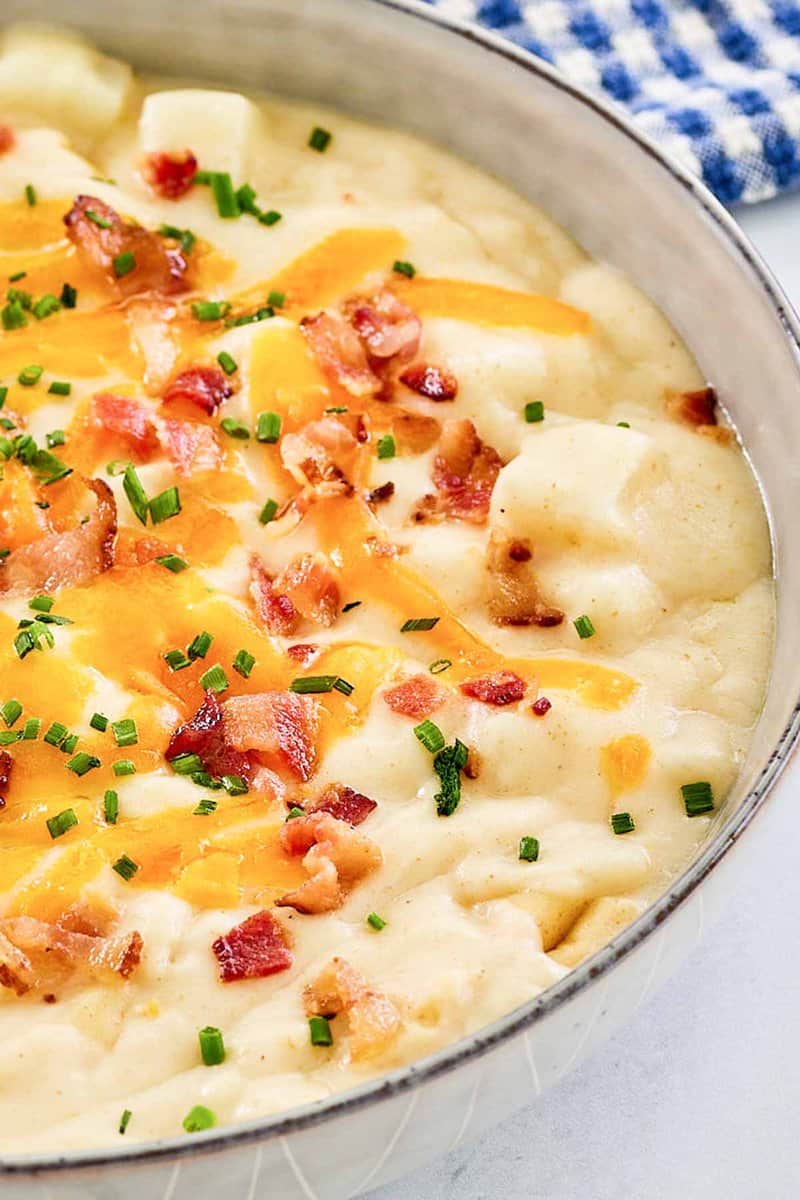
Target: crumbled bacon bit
{"type": "Point", "coordinates": [340, 354]}
{"type": "Point", "coordinates": [192, 446]}
{"type": "Point", "coordinates": [6, 766]}
{"type": "Point", "coordinates": [344, 803]}
{"type": "Point", "coordinates": [514, 597]}
{"type": "Point", "coordinates": [66, 559]}
{"type": "Point", "coordinates": [303, 653]}
{"type": "Point", "coordinates": [205, 735]}
{"type": "Point", "coordinates": [276, 612]}
{"type": "Point", "coordinates": [7, 139]}
{"type": "Point", "coordinates": [464, 472]}
{"type": "Point", "coordinates": [372, 1017]}
{"type": "Point", "coordinates": [541, 707]}
{"type": "Point", "coordinates": [128, 420]}
{"type": "Point", "coordinates": [33, 953]}
{"type": "Point", "coordinates": [170, 175]}
{"type": "Point", "coordinates": [204, 387]}
{"type": "Point", "coordinates": [335, 856]}
{"type": "Point", "coordinates": [435, 383]}
{"type": "Point", "coordinates": [380, 495]}
{"type": "Point", "coordinates": [158, 268]}
{"type": "Point", "coordinates": [280, 724]}
{"type": "Point", "coordinates": [694, 408]}
{"type": "Point", "coordinates": [416, 697]}
{"type": "Point", "coordinates": [253, 950]}
{"type": "Point", "coordinates": [387, 328]}
{"type": "Point", "coordinates": [306, 588]}
{"type": "Point", "coordinates": [321, 455]}
{"type": "Point", "coordinates": [498, 689]}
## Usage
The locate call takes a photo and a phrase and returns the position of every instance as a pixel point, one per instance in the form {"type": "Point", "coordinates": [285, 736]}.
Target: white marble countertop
{"type": "Point", "coordinates": [699, 1099]}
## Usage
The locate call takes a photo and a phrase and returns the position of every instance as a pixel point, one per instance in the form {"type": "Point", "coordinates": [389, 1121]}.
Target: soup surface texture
{"type": "Point", "coordinates": [384, 613]}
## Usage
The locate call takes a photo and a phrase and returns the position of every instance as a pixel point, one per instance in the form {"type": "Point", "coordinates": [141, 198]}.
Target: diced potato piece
{"type": "Point", "coordinates": [602, 920]}
{"type": "Point", "coordinates": [218, 127]}
{"type": "Point", "coordinates": [62, 80]}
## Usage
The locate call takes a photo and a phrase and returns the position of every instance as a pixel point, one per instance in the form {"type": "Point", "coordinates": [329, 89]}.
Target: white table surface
{"type": "Point", "coordinates": [699, 1099]}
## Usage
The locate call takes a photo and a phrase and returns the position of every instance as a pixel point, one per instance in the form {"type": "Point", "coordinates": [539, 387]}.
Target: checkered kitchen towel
{"type": "Point", "coordinates": [716, 82]}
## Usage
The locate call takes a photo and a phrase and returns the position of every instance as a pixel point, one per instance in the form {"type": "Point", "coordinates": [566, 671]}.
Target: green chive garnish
{"type": "Point", "coordinates": [441, 664]}
{"type": "Point", "coordinates": [123, 767]}
{"type": "Point", "coordinates": [430, 735]}
{"type": "Point", "coordinates": [276, 299]}
{"type": "Point", "coordinates": [30, 730]}
{"type": "Point", "coordinates": [234, 785]}
{"type": "Point", "coordinates": [124, 263]}
{"type": "Point", "coordinates": [68, 746]}
{"type": "Point", "coordinates": [30, 194]}
{"type": "Point", "coordinates": [376, 922]}
{"type": "Point", "coordinates": [386, 446]}
{"type": "Point", "coordinates": [698, 798]}
{"type": "Point", "coordinates": [28, 376]}
{"type": "Point", "coordinates": [206, 807]}
{"type": "Point", "coordinates": [173, 563]}
{"type": "Point", "coordinates": [529, 849]}
{"type": "Point", "coordinates": [165, 505]}
{"type": "Point", "coordinates": [58, 825]}
{"type": "Point", "coordinates": [69, 296]}
{"type": "Point", "coordinates": [137, 496]}
{"type": "Point", "coordinates": [351, 605]}
{"type": "Point", "coordinates": [234, 428]}
{"type": "Point", "coordinates": [125, 732]}
{"type": "Point", "coordinates": [210, 310]}
{"type": "Point", "coordinates": [98, 721]}
{"type": "Point", "coordinates": [268, 427]}
{"type": "Point", "coordinates": [584, 627]}
{"type": "Point", "coordinates": [270, 218]}
{"type": "Point", "coordinates": [125, 1120]}
{"type": "Point", "coordinates": [198, 1119]}
{"type": "Point", "coordinates": [313, 684]}
{"type": "Point", "coordinates": [224, 194]}
{"type": "Point", "coordinates": [176, 660]}
{"type": "Point", "coordinates": [41, 604]}
{"type": "Point", "coordinates": [419, 624]}
{"type": "Point", "coordinates": [184, 236]}
{"type": "Point", "coordinates": [111, 807]}
{"type": "Point", "coordinates": [212, 1046]}
{"type": "Point", "coordinates": [125, 867]}
{"type": "Point", "coordinates": [199, 645]}
{"type": "Point", "coordinates": [534, 412]}
{"type": "Point", "coordinates": [244, 663]}
{"type": "Point", "coordinates": [268, 512]}
{"type": "Point", "coordinates": [214, 679]}
{"type": "Point", "coordinates": [9, 736]}
{"type": "Point", "coordinates": [82, 763]}
{"type": "Point", "coordinates": [448, 765]}
{"type": "Point", "coordinates": [404, 268]}
{"type": "Point", "coordinates": [623, 424]}
{"type": "Point", "coordinates": [319, 139]}
{"type": "Point", "coordinates": [11, 711]}
{"type": "Point", "coordinates": [56, 437]}
{"type": "Point", "coordinates": [622, 822]}
{"type": "Point", "coordinates": [186, 764]}
{"type": "Point", "coordinates": [101, 222]}
{"type": "Point", "coordinates": [294, 812]}
{"type": "Point", "coordinates": [227, 362]}
{"type": "Point", "coordinates": [55, 734]}
{"type": "Point", "coordinates": [16, 278]}
{"type": "Point", "coordinates": [319, 1030]}
{"type": "Point", "coordinates": [45, 306]}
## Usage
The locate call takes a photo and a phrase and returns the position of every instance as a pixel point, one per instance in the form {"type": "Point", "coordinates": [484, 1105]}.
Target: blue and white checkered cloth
{"type": "Point", "coordinates": [716, 82]}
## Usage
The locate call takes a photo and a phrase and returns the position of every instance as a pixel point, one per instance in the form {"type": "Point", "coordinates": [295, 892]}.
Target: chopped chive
{"type": "Point", "coordinates": [11, 712]}
{"type": "Point", "coordinates": [137, 496]}
{"type": "Point", "coordinates": [45, 306]}
{"type": "Point", "coordinates": [186, 764]}
{"type": "Point", "coordinates": [116, 467]}
{"type": "Point", "coordinates": [172, 562]}
{"type": "Point", "coordinates": [41, 604]}
{"type": "Point", "coordinates": [622, 822]}
{"type": "Point", "coordinates": [30, 194]}
{"type": "Point", "coordinates": [276, 299]}
{"type": "Point", "coordinates": [268, 512]}
{"type": "Point", "coordinates": [69, 296]}
{"type": "Point", "coordinates": [203, 779]}
{"type": "Point", "coordinates": [534, 411]}
{"type": "Point", "coordinates": [386, 446]}
{"type": "Point", "coordinates": [111, 807]}
{"type": "Point", "coordinates": [529, 849]}
{"type": "Point", "coordinates": [234, 785]}
{"type": "Point", "coordinates": [30, 375]}
{"type": "Point", "coordinates": [3, 395]}
{"type": "Point", "coordinates": [101, 222]}
{"type": "Point", "coordinates": [125, 1120]}
{"type": "Point", "coordinates": [268, 427]}
{"type": "Point", "coordinates": [419, 624]}
{"type": "Point", "coordinates": [16, 278]}
{"type": "Point", "coordinates": [58, 825]}
{"type": "Point", "coordinates": [98, 721]}
{"type": "Point", "coordinates": [243, 663]}
{"type": "Point", "coordinates": [448, 765]}
{"type": "Point", "coordinates": [206, 807]}
{"type": "Point", "coordinates": [261, 314]}
{"type": "Point", "coordinates": [351, 604]}
{"type": "Point", "coordinates": [199, 645]}
{"type": "Point", "coordinates": [124, 263]}
{"type": "Point", "coordinates": [125, 867]}
{"type": "Point", "coordinates": [294, 812]}
{"type": "Point", "coordinates": [212, 1046]}
{"type": "Point", "coordinates": [404, 268]}
{"type": "Point", "coordinates": [9, 736]}
{"type": "Point", "coordinates": [440, 664]}
{"type": "Point", "coordinates": [337, 408]}
{"type": "Point", "coordinates": [234, 428]}
{"type": "Point", "coordinates": [584, 627]}
{"type": "Point", "coordinates": [376, 922]}
{"type": "Point", "coordinates": [123, 767]}
{"type": "Point", "coordinates": [82, 763]}
{"type": "Point", "coordinates": [4, 552]}
{"type": "Point", "coordinates": [55, 734]}
{"type": "Point", "coordinates": [185, 236]}
{"type": "Point", "coordinates": [623, 424]}
{"type": "Point", "coordinates": [165, 505]}
{"type": "Point", "coordinates": [270, 218]}
{"type": "Point", "coordinates": [176, 660]}
{"type": "Point", "coordinates": [246, 199]}
{"type": "Point", "coordinates": [313, 684]}
{"type": "Point", "coordinates": [698, 798]}
{"type": "Point", "coordinates": [227, 362]}
{"type": "Point", "coordinates": [210, 310]}
{"type": "Point", "coordinates": [13, 316]}
{"type": "Point", "coordinates": [198, 1119]}
{"type": "Point", "coordinates": [430, 735]}
{"type": "Point", "coordinates": [30, 730]}
{"type": "Point", "coordinates": [319, 1030]}
{"type": "Point", "coordinates": [319, 139]}
{"type": "Point", "coordinates": [224, 195]}
{"type": "Point", "coordinates": [69, 743]}
{"type": "Point", "coordinates": [56, 437]}
{"type": "Point", "coordinates": [125, 732]}
{"type": "Point", "coordinates": [214, 679]}
{"type": "Point", "coordinates": [203, 177]}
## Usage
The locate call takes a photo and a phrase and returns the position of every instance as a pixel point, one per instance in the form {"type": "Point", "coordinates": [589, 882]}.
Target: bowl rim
{"type": "Point", "coordinates": [520, 1019]}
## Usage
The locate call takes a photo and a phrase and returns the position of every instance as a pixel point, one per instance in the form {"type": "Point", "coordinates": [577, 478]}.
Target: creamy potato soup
{"type": "Point", "coordinates": [384, 612]}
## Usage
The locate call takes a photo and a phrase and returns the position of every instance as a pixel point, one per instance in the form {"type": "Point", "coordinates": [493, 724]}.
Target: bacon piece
{"type": "Point", "coordinates": [303, 653]}
{"type": "Point", "coordinates": [335, 856]}
{"type": "Point", "coordinates": [321, 455]}
{"type": "Point", "coordinates": [6, 766]}
{"type": "Point", "coordinates": [694, 408]}
{"type": "Point", "coordinates": [340, 354]}
{"type": "Point", "coordinates": [416, 697]}
{"type": "Point", "coordinates": [276, 612]}
{"type": "Point", "coordinates": [204, 387]}
{"type": "Point", "coordinates": [373, 1019]}
{"type": "Point", "coordinates": [498, 689]}
{"type": "Point", "coordinates": [284, 724]}
{"type": "Point", "coordinates": [541, 707]}
{"type": "Point", "coordinates": [205, 735]}
{"type": "Point", "coordinates": [66, 559]}
{"type": "Point", "coordinates": [192, 446]}
{"type": "Point", "coordinates": [435, 383]}
{"type": "Point", "coordinates": [387, 327]}
{"type": "Point", "coordinates": [464, 472]}
{"type": "Point", "coordinates": [306, 588]}
{"type": "Point", "coordinates": [170, 175]}
{"type": "Point", "coordinates": [158, 268]}
{"type": "Point", "coordinates": [7, 139]}
{"type": "Point", "coordinates": [514, 597]}
{"type": "Point", "coordinates": [379, 495]}
{"type": "Point", "coordinates": [33, 953]}
{"type": "Point", "coordinates": [127, 420]}
{"type": "Point", "coordinates": [344, 804]}
{"type": "Point", "coordinates": [253, 950]}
